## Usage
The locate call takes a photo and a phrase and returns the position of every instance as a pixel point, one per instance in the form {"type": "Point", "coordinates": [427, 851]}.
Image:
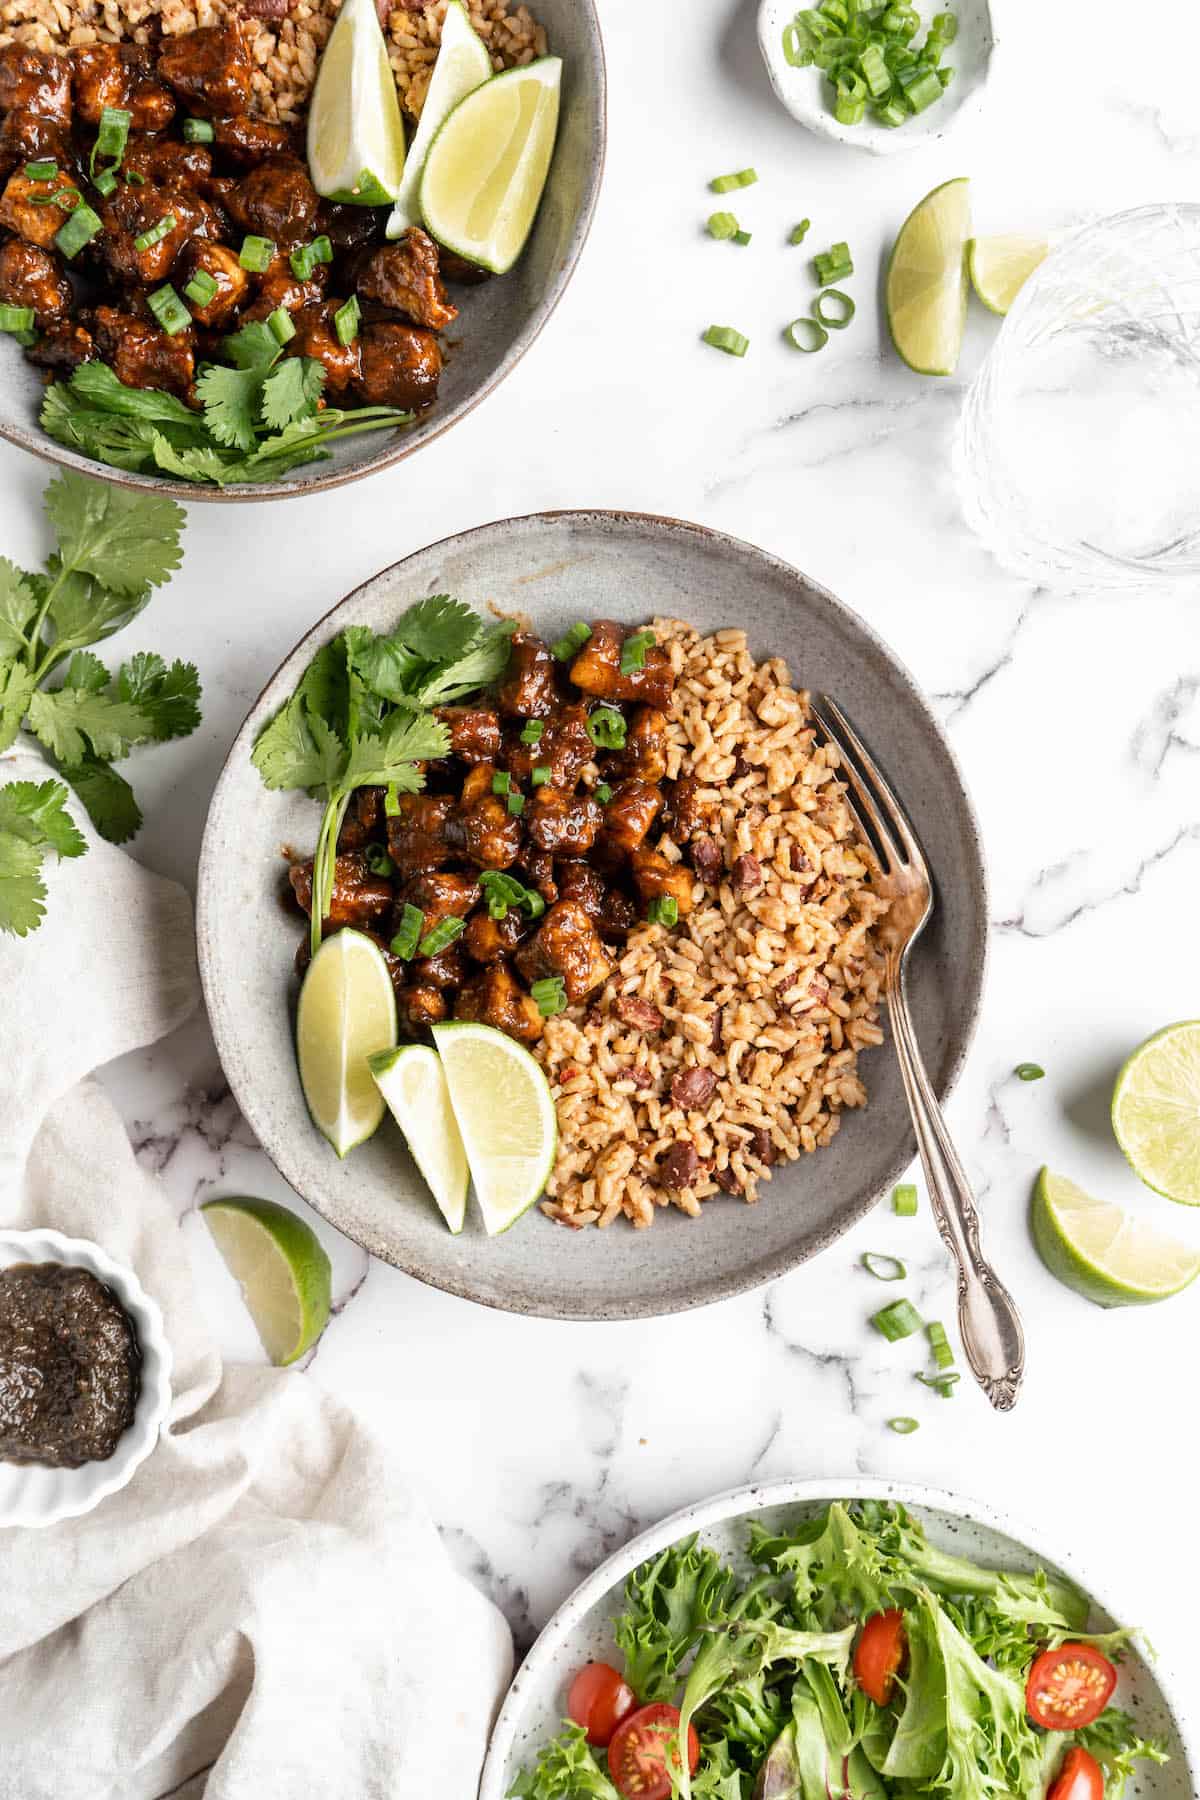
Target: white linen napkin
{"type": "Point", "coordinates": [265, 1611]}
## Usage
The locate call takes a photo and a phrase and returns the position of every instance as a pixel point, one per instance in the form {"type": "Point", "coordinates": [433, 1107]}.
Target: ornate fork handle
{"type": "Point", "coordinates": [988, 1320]}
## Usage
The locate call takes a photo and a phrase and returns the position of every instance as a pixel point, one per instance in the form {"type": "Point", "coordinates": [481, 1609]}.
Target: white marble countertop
{"type": "Point", "coordinates": [543, 1446]}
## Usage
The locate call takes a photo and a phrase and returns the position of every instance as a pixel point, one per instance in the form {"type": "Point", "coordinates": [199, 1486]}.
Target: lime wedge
{"type": "Point", "coordinates": [504, 1110]}
{"type": "Point", "coordinates": [347, 1011]}
{"type": "Point", "coordinates": [282, 1268]}
{"type": "Point", "coordinates": [355, 133]}
{"type": "Point", "coordinates": [1103, 1253]}
{"type": "Point", "coordinates": [413, 1083]}
{"type": "Point", "coordinates": [1000, 267]}
{"type": "Point", "coordinates": [925, 292]}
{"type": "Point", "coordinates": [487, 166]}
{"type": "Point", "coordinates": [462, 65]}
{"type": "Point", "coordinates": [1156, 1112]}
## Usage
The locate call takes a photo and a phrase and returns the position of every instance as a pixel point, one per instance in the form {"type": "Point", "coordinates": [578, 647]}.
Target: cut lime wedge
{"type": "Point", "coordinates": [347, 1011]}
{"type": "Point", "coordinates": [462, 65]}
{"type": "Point", "coordinates": [505, 1112]}
{"type": "Point", "coordinates": [1105, 1254]}
{"type": "Point", "coordinates": [355, 133]}
{"type": "Point", "coordinates": [487, 165]}
{"type": "Point", "coordinates": [925, 293]}
{"type": "Point", "coordinates": [1000, 267]}
{"type": "Point", "coordinates": [413, 1083]}
{"type": "Point", "coordinates": [1156, 1112]}
{"type": "Point", "coordinates": [282, 1268]}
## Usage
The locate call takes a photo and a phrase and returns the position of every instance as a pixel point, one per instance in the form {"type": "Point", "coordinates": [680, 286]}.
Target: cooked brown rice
{"type": "Point", "coordinates": [285, 50]}
{"type": "Point", "coordinates": [774, 990]}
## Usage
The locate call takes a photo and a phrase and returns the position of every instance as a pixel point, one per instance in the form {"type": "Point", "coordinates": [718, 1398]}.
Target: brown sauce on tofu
{"type": "Point", "coordinates": [555, 786]}
{"type": "Point", "coordinates": [70, 1366]}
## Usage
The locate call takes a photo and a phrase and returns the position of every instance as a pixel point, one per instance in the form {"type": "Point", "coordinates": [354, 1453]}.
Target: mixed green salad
{"type": "Point", "coordinates": [858, 1662]}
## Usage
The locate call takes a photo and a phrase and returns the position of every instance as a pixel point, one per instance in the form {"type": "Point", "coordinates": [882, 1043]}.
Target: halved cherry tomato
{"type": "Point", "coordinates": [644, 1748]}
{"type": "Point", "coordinates": [1080, 1778]}
{"type": "Point", "coordinates": [879, 1655]}
{"type": "Point", "coordinates": [599, 1699]}
{"type": "Point", "coordinates": [1069, 1687]}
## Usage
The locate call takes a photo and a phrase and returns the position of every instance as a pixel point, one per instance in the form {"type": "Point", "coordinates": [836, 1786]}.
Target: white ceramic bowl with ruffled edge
{"type": "Point", "coordinates": [32, 1494]}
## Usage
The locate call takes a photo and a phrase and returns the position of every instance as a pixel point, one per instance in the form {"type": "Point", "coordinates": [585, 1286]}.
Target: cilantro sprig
{"type": "Point", "coordinates": [361, 715]}
{"type": "Point", "coordinates": [114, 549]}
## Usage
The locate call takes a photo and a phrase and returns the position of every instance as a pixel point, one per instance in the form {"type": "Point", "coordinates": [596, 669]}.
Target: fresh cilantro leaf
{"type": "Point", "coordinates": [324, 685]}
{"type": "Point", "coordinates": [485, 662]}
{"type": "Point", "coordinates": [439, 629]}
{"type": "Point", "coordinates": [231, 399]}
{"type": "Point", "coordinates": [291, 391]}
{"type": "Point", "coordinates": [16, 688]}
{"type": "Point", "coordinates": [297, 749]}
{"type": "Point", "coordinates": [107, 798]}
{"type": "Point", "coordinates": [197, 462]}
{"type": "Point", "coordinates": [82, 612]}
{"type": "Point", "coordinates": [18, 604]}
{"type": "Point", "coordinates": [37, 812]}
{"type": "Point", "coordinates": [388, 758]}
{"type": "Point", "coordinates": [70, 720]}
{"type": "Point", "coordinates": [86, 671]}
{"type": "Point", "coordinates": [168, 698]}
{"type": "Point", "coordinates": [95, 384]}
{"type": "Point", "coordinates": [128, 540]}
{"type": "Point", "coordinates": [21, 889]}
{"type": "Point", "coordinates": [255, 346]}
{"type": "Point", "coordinates": [122, 443]}
{"type": "Point", "coordinates": [386, 664]}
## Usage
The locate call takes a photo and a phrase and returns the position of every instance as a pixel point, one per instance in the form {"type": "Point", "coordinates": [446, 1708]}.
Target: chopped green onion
{"type": "Point", "coordinates": [550, 995]}
{"type": "Point", "coordinates": [202, 288]}
{"type": "Point", "coordinates": [921, 88]}
{"type": "Point", "coordinates": [806, 329]}
{"type": "Point", "coordinates": [606, 729]}
{"type": "Point", "coordinates": [146, 240]}
{"type": "Point", "coordinates": [346, 320]}
{"type": "Point", "coordinates": [848, 111]}
{"type": "Point", "coordinates": [66, 197]}
{"type": "Point", "coordinates": [724, 184]}
{"type": "Point", "coordinates": [663, 911]}
{"type": "Point", "coordinates": [133, 178]}
{"type": "Point", "coordinates": [721, 225]}
{"type": "Point", "coordinates": [833, 265]}
{"type": "Point", "coordinates": [77, 231]}
{"type": "Point", "coordinates": [945, 76]}
{"type": "Point", "coordinates": [531, 731]}
{"type": "Point", "coordinates": [939, 1343]}
{"type": "Point", "coordinates": [875, 71]}
{"type": "Point", "coordinates": [796, 52]}
{"type": "Point", "coordinates": [112, 137]}
{"type": "Point", "coordinates": [378, 860]}
{"type": "Point", "coordinates": [501, 782]}
{"type": "Point", "coordinates": [883, 1268]}
{"type": "Point", "coordinates": [322, 249]}
{"type": "Point", "coordinates": [391, 802]}
{"type": "Point", "coordinates": [724, 337]}
{"type": "Point", "coordinates": [602, 793]}
{"type": "Point", "coordinates": [25, 338]}
{"type": "Point", "coordinates": [904, 1426]}
{"type": "Point", "coordinates": [540, 776]}
{"type": "Point", "coordinates": [900, 21]}
{"type": "Point", "coordinates": [515, 804]}
{"type": "Point", "coordinates": [573, 639]}
{"type": "Point", "coordinates": [894, 113]}
{"type": "Point", "coordinates": [16, 318]}
{"type": "Point", "coordinates": [944, 25]}
{"type": "Point", "coordinates": [41, 171]}
{"type": "Point", "coordinates": [502, 891]}
{"type": "Point", "coordinates": [904, 1200]}
{"type": "Point", "coordinates": [282, 328]}
{"type": "Point", "coordinates": [741, 237]}
{"type": "Point", "coordinates": [197, 131]}
{"type": "Point", "coordinates": [442, 934]}
{"type": "Point", "coordinates": [800, 231]}
{"type": "Point", "coordinates": [899, 1320]}
{"type": "Point", "coordinates": [305, 259]}
{"type": "Point", "coordinates": [105, 183]}
{"type": "Point", "coordinates": [633, 651]}
{"type": "Point", "coordinates": [256, 254]}
{"type": "Point", "coordinates": [1029, 1072]}
{"type": "Point", "coordinates": [408, 934]}
{"type": "Point", "coordinates": [941, 1384]}
{"type": "Point", "coordinates": [169, 309]}
{"type": "Point", "coordinates": [827, 319]}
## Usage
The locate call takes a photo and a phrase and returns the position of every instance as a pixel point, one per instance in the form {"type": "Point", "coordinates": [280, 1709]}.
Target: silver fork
{"type": "Point", "coordinates": [987, 1317]}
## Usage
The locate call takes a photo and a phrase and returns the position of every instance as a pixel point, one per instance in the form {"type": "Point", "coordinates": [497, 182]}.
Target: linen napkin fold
{"type": "Point", "coordinates": [265, 1611]}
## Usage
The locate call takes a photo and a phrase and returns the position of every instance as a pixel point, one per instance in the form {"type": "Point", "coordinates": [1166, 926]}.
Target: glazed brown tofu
{"type": "Point", "coordinates": [364, 819]}
{"type": "Point", "coordinates": [487, 939]}
{"type": "Point", "coordinates": [131, 212]}
{"type": "Point", "coordinates": [579, 882]}
{"type": "Point", "coordinates": [597, 669]}
{"type": "Point", "coordinates": [446, 971]}
{"type": "Point", "coordinates": [630, 813]}
{"type": "Point", "coordinates": [143, 356]}
{"type": "Point", "coordinates": [233, 283]}
{"type": "Point", "coordinates": [28, 137]}
{"type": "Point", "coordinates": [316, 336]}
{"type": "Point", "coordinates": [246, 140]}
{"type": "Point", "coordinates": [278, 286]}
{"type": "Point", "coordinates": [211, 68]}
{"type": "Point", "coordinates": [166, 163]}
{"type": "Point", "coordinates": [528, 690]}
{"type": "Point", "coordinates": [405, 277]}
{"type": "Point", "coordinates": [439, 895]}
{"type": "Point", "coordinates": [655, 878]}
{"type": "Point", "coordinates": [349, 228]}
{"type": "Point", "coordinates": [682, 812]}
{"type": "Point", "coordinates": [563, 748]}
{"type": "Point", "coordinates": [566, 944]}
{"type": "Point", "coordinates": [401, 366]}
{"type": "Point", "coordinates": [120, 75]}
{"type": "Point", "coordinates": [420, 1007]}
{"type": "Point", "coordinates": [358, 896]}
{"type": "Point", "coordinates": [30, 276]}
{"type": "Point", "coordinates": [564, 824]}
{"type": "Point", "coordinates": [496, 998]}
{"type": "Point", "coordinates": [24, 208]}
{"type": "Point", "coordinates": [276, 200]}
{"type": "Point", "coordinates": [63, 346]}
{"type": "Point", "coordinates": [37, 81]}
{"type": "Point", "coordinates": [416, 835]}
{"type": "Point", "coordinates": [484, 830]}
{"type": "Point", "coordinates": [645, 754]}
{"type": "Point", "coordinates": [474, 732]}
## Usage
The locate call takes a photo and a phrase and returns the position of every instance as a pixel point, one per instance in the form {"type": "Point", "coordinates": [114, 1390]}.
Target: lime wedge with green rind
{"type": "Point", "coordinates": [505, 1112]}
{"type": "Point", "coordinates": [355, 132]}
{"type": "Point", "coordinates": [283, 1271]}
{"type": "Point", "coordinates": [347, 1012]}
{"type": "Point", "coordinates": [1108, 1256]}
{"type": "Point", "coordinates": [463, 64]}
{"type": "Point", "coordinates": [925, 291]}
{"type": "Point", "coordinates": [1156, 1112]}
{"type": "Point", "coordinates": [413, 1082]}
{"type": "Point", "coordinates": [999, 267]}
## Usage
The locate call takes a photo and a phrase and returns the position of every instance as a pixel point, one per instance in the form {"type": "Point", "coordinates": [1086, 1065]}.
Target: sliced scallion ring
{"type": "Point", "coordinates": [801, 330]}
{"type": "Point", "coordinates": [724, 337]}
{"type": "Point", "coordinates": [883, 1268]}
{"type": "Point", "coordinates": [904, 1427]}
{"type": "Point", "coordinates": [834, 321]}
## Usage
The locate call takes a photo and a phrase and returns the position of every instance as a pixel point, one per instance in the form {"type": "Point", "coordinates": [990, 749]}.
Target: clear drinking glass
{"type": "Point", "coordinates": [1078, 449]}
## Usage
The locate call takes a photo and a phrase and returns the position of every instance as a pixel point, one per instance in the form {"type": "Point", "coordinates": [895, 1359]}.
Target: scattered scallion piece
{"type": "Point", "coordinates": [146, 240]}
{"type": "Point", "coordinates": [721, 225]}
{"type": "Point", "coordinates": [800, 232]}
{"type": "Point", "coordinates": [883, 1268]}
{"type": "Point", "coordinates": [502, 891]}
{"type": "Point", "coordinates": [939, 1343]}
{"type": "Point", "coordinates": [904, 1426]}
{"type": "Point", "coordinates": [899, 1320]}
{"type": "Point", "coordinates": [378, 860]}
{"type": "Point", "coordinates": [531, 731]}
{"type": "Point", "coordinates": [1029, 1072]}
{"type": "Point", "coordinates": [41, 171]}
{"type": "Point", "coordinates": [111, 137]}
{"type": "Point", "coordinates": [725, 184]}
{"type": "Point", "coordinates": [197, 131]}
{"type": "Point", "coordinates": [169, 309]}
{"type": "Point", "coordinates": [606, 729]}
{"type": "Point", "coordinates": [633, 651]}
{"type": "Point", "coordinates": [724, 337]}
{"type": "Point", "coordinates": [540, 776]}
{"type": "Point", "coordinates": [16, 318]}
{"type": "Point", "coordinates": [501, 782]}
{"type": "Point", "coordinates": [133, 178]}
{"type": "Point", "coordinates": [602, 793]}
{"type": "Point", "coordinates": [833, 265]}
{"type": "Point", "coordinates": [741, 237]}
{"type": "Point", "coordinates": [105, 183]}
{"type": "Point", "coordinates": [256, 254]}
{"type": "Point", "coordinates": [305, 259]}
{"type": "Point", "coordinates": [941, 1384]}
{"type": "Point", "coordinates": [282, 328]}
{"type": "Point", "coordinates": [904, 1200]}
{"type": "Point", "coordinates": [550, 995]}
{"type": "Point", "coordinates": [515, 804]}
{"type": "Point", "coordinates": [573, 639]}
{"type": "Point", "coordinates": [77, 231]}
{"type": "Point", "coordinates": [345, 320]}
{"type": "Point", "coordinates": [806, 335]}
{"type": "Point", "coordinates": [831, 321]}
{"type": "Point", "coordinates": [440, 936]}
{"type": "Point", "coordinates": [201, 288]}
{"type": "Point", "coordinates": [870, 58]}
{"type": "Point", "coordinates": [663, 911]}
{"type": "Point", "coordinates": [408, 933]}
{"type": "Point", "coordinates": [391, 802]}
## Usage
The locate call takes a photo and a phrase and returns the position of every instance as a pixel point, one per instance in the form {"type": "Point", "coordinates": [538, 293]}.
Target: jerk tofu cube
{"type": "Point", "coordinates": [358, 896]}
{"type": "Point", "coordinates": [25, 208]}
{"type": "Point", "coordinates": [566, 944]}
{"type": "Point", "coordinates": [37, 81]}
{"type": "Point", "coordinates": [654, 878]}
{"type": "Point", "coordinates": [210, 67]}
{"type": "Point", "coordinates": [400, 365]}
{"type": "Point", "coordinates": [406, 278]}
{"type": "Point", "coordinates": [629, 814]}
{"type": "Point", "coordinates": [122, 76]}
{"type": "Point", "coordinates": [30, 276]}
{"type": "Point", "coordinates": [597, 669]}
{"type": "Point", "coordinates": [564, 824]}
{"type": "Point", "coordinates": [416, 835]}
{"type": "Point", "coordinates": [494, 997]}
{"type": "Point", "coordinates": [528, 688]}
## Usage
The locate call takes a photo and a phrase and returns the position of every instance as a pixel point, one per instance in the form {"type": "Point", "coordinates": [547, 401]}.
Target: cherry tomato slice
{"type": "Point", "coordinates": [1081, 1778]}
{"type": "Point", "coordinates": [599, 1699]}
{"type": "Point", "coordinates": [1069, 1687]}
{"type": "Point", "coordinates": [879, 1655]}
{"type": "Point", "coordinates": [643, 1750]}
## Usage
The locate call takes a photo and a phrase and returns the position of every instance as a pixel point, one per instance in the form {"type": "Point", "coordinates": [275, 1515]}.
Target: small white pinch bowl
{"type": "Point", "coordinates": [34, 1495]}
{"type": "Point", "coordinates": [805, 92]}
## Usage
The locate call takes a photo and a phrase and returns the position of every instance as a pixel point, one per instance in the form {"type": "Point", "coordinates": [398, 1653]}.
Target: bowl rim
{"type": "Point", "coordinates": [244, 492]}
{"type": "Point", "coordinates": [87, 1486]}
{"type": "Point", "coordinates": [705, 1291]}
{"type": "Point", "coordinates": [757, 1496]}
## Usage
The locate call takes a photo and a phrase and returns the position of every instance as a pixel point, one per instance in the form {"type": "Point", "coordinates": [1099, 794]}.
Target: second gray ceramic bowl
{"type": "Point", "coordinates": [557, 567]}
{"type": "Point", "coordinates": [497, 322]}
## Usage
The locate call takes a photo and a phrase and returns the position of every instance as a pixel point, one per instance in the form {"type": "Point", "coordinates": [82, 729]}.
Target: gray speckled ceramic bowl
{"type": "Point", "coordinates": [497, 323]}
{"type": "Point", "coordinates": [558, 567]}
{"type": "Point", "coordinates": [581, 1629]}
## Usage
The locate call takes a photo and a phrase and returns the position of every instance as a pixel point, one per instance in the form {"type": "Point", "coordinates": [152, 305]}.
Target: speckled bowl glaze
{"type": "Point", "coordinates": [31, 1494]}
{"type": "Point", "coordinates": [497, 322]}
{"type": "Point", "coordinates": [557, 567]}
{"type": "Point", "coordinates": [581, 1629]}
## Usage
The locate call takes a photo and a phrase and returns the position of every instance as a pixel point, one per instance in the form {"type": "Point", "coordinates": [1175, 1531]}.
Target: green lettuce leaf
{"type": "Point", "coordinates": [566, 1769]}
